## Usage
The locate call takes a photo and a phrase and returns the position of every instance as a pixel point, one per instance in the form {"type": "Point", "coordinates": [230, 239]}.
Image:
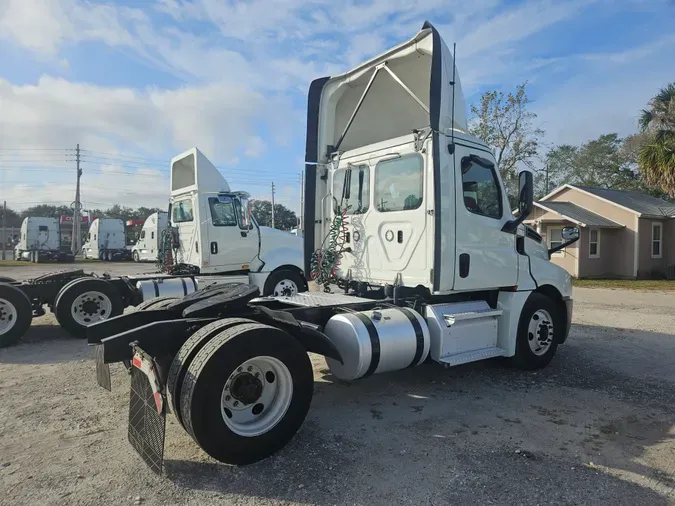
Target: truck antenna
{"type": "Point", "coordinates": [451, 148]}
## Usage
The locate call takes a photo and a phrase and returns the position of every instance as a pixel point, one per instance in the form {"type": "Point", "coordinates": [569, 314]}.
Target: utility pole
{"type": "Point", "coordinates": [75, 243]}
{"type": "Point", "coordinates": [4, 229]}
{"type": "Point", "coordinates": [273, 205]}
{"type": "Point", "coordinates": [547, 179]}
{"type": "Point", "coordinates": [302, 201]}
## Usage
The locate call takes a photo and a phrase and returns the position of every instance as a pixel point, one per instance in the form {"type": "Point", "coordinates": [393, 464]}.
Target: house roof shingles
{"type": "Point", "coordinates": [579, 214]}
{"type": "Point", "coordinates": [638, 202]}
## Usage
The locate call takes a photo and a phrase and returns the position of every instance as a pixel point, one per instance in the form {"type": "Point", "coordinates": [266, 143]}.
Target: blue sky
{"type": "Point", "coordinates": [136, 82]}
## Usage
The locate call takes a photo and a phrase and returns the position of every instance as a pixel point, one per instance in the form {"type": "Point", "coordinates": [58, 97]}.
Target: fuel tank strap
{"type": "Point", "coordinates": [419, 335]}
{"type": "Point", "coordinates": [374, 343]}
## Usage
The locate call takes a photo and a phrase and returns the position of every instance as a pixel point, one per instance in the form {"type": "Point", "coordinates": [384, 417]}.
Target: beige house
{"type": "Point", "coordinates": [623, 234]}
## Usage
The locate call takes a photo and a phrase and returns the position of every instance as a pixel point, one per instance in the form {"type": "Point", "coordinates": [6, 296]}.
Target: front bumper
{"type": "Point", "coordinates": [569, 304]}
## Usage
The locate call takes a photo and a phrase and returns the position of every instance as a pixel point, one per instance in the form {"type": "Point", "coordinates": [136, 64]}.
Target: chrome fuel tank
{"type": "Point", "coordinates": [172, 287]}
{"type": "Point", "coordinates": [377, 341]}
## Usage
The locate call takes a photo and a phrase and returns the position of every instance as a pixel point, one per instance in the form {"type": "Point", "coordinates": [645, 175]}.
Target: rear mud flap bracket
{"type": "Point", "coordinates": [102, 369]}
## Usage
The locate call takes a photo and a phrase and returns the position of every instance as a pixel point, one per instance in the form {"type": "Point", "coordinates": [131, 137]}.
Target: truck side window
{"type": "Point", "coordinates": [360, 178]}
{"type": "Point", "coordinates": [399, 184]}
{"type": "Point", "coordinates": [182, 211]}
{"type": "Point", "coordinates": [142, 234]}
{"type": "Point", "coordinates": [222, 212]}
{"type": "Point", "coordinates": [482, 193]}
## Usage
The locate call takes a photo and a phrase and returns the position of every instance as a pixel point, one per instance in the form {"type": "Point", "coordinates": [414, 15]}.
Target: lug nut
{"type": "Point", "coordinates": [239, 369]}
{"type": "Point", "coordinates": [227, 397]}
{"type": "Point", "coordinates": [236, 403]}
{"type": "Point", "coordinates": [249, 368]}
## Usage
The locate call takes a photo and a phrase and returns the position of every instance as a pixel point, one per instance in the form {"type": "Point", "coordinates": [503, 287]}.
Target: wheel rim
{"type": "Point", "coordinates": [540, 332]}
{"type": "Point", "coordinates": [285, 288]}
{"type": "Point", "coordinates": [256, 396]}
{"type": "Point", "coordinates": [8, 316]}
{"type": "Point", "coordinates": [91, 307]}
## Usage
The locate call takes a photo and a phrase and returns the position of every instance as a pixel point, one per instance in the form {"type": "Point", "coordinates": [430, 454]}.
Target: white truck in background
{"type": "Point", "coordinates": [106, 240]}
{"type": "Point", "coordinates": [217, 234]}
{"type": "Point", "coordinates": [149, 241]}
{"type": "Point", "coordinates": [40, 241]}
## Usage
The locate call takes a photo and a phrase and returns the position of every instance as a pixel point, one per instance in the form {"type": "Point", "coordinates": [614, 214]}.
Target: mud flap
{"type": "Point", "coordinates": [102, 370]}
{"type": "Point", "coordinates": [147, 424]}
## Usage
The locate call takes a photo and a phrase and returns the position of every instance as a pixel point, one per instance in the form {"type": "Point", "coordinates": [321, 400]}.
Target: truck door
{"type": "Point", "coordinates": [485, 256]}
{"type": "Point", "coordinates": [387, 223]}
{"type": "Point", "coordinates": [231, 245]}
{"type": "Point", "coordinates": [183, 218]}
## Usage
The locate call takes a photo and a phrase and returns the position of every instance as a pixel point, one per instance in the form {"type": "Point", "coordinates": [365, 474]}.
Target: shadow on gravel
{"type": "Point", "coordinates": [480, 433]}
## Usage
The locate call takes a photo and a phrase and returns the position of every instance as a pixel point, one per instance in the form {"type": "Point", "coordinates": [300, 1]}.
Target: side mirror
{"type": "Point", "coordinates": [570, 233]}
{"type": "Point", "coordinates": [525, 201]}
{"type": "Point", "coordinates": [525, 193]}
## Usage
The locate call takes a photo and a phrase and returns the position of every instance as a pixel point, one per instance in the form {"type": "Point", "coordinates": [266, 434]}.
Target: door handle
{"type": "Point", "coordinates": [464, 265]}
{"type": "Point", "coordinates": [244, 234]}
{"type": "Point", "coordinates": [214, 248]}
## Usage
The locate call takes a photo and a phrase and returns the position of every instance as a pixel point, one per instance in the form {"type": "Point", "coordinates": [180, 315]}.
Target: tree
{"type": "Point", "coordinates": [605, 162]}
{"type": "Point", "coordinates": [506, 125]}
{"type": "Point", "coordinates": [47, 211]}
{"type": "Point", "coordinates": [657, 155]}
{"type": "Point", "coordinates": [284, 218]}
{"type": "Point", "coordinates": [13, 219]}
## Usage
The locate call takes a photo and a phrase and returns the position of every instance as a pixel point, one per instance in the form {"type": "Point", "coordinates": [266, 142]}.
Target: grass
{"type": "Point", "coordinates": [627, 284]}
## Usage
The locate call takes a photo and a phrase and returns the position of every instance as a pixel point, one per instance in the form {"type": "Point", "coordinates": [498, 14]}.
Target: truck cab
{"type": "Point", "coordinates": [106, 240]}
{"type": "Point", "coordinates": [216, 231]}
{"type": "Point", "coordinates": [423, 201]}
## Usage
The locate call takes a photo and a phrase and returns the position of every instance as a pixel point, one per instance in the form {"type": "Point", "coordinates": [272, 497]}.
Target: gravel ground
{"type": "Point", "coordinates": [595, 427]}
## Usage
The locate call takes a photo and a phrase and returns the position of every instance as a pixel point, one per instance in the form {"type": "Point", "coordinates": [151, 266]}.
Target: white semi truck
{"type": "Point", "coordinates": [106, 240]}
{"type": "Point", "coordinates": [149, 243]}
{"type": "Point", "coordinates": [40, 241]}
{"type": "Point", "coordinates": [408, 214]}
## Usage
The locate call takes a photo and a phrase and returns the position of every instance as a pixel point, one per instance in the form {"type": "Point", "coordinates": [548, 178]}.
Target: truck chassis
{"type": "Point", "coordinates": [233, 367]}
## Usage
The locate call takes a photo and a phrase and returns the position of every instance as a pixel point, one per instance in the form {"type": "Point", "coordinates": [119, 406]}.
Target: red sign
{"type": "Point", "coordinates": [69, 219]}
{"type": "Point", "coordinates": [133, 223]}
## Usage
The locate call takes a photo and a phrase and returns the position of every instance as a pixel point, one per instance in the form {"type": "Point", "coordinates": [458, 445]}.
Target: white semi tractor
{"type": "Point", "coordinates": [408, 214]}
{"type": "Point", "coordinates": [149, 243]}
{"type": "Point", "coordinates": [106, 240]}
{"type": "Point", "coordinates": [40, 241]}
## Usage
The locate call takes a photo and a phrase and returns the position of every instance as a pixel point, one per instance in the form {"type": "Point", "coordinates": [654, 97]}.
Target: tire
{"type": "Point", "coordinates": [156, 303]}
{"type": "Point", "coordinates": [538, 305]}
{"type": "Point", "coordinates": [186, 354]}
{"type": "Point", "coordinates": [104, 299]}
{"type": "Point", "coordinates": [216, 365]}
{"type": "Point", "coordinates": [16, 315]}
{"type": "Point", "coordinates": [284, 277]}
{"type": "Point", "coordinates": [136, 256]}
{"type": "Point", "coordinates": [101, 255]}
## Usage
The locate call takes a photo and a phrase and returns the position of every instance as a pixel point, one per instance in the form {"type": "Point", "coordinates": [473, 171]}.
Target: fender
{"type": "Point", "coordinates": [277, 257]}
{"type": "Point", "coordinates": [546, 272]}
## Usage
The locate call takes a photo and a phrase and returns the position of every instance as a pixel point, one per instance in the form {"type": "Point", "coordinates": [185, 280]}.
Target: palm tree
{"type": "Point", "coordinates": [657, 155]}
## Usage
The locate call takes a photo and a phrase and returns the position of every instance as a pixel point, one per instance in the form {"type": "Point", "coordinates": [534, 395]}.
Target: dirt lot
{"type": "Point", "coordinates": [597, 427]}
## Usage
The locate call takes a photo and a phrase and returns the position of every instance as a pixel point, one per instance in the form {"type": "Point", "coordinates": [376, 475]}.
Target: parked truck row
{"type": "Point", "coordinates": [208, 232]}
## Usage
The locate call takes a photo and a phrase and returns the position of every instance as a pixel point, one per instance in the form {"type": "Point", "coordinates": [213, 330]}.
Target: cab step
{"type": "Point", "coordinates": [471, 356]}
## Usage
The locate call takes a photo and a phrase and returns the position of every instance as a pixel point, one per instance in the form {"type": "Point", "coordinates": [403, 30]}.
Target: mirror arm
{"type": "Point", "coordinates": [562, 246]}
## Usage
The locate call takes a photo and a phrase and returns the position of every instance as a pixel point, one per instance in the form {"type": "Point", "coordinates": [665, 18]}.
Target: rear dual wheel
{"type": "Point", "coordinates": [246, 393]}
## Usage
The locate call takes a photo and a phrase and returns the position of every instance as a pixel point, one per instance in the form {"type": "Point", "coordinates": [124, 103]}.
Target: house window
{"type": "Point", "coordinates": [555, 239]}
{"type": "Point", "coordinates": [594, 243]}
{"type": "Point", "coordinates": [657, 233]}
